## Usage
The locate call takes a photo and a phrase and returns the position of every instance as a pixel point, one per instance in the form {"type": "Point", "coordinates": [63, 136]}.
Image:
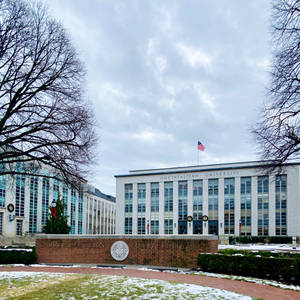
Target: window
{"type": "Point", "coordinates": [213, 198]}
{"type": "Point", "coordinates": [197, 206]}
{"type": "Point", "coordinates": [154, 197]}
{"type": "Point", "coordinates": [245, 228]}
{"type": "Point", "coordinates": [281, 204]}
{"type": "Point", "coordinates": [55, 189]}
{"type": "Point", "coordinates": [229, 205]}
{"type": "Point", "coordinates": [80, 210]}
{"type": "Point", "coordinates": [1, 223]}
{"type": "Point", "coordinates": [65, 198]}
{"type": "Point", "coordinates": [168, 196]}
{"type": "Point", "coordinates": [141, 197]}
{"type": "Point", "coordinates": [2, 190]}
{"type": "Point", "coordinates": [168, 226]}
{"type": "Point", "coordinates": [263, 204]}
{"type": "Point", "coordinates": [45, 200]}
{"type": "Point", "coordinates": [128, 198]}
{"type": "Point", "coordinates": [73, 211]}
{"type": "Point", "coordinates": [182, 200]}
{"type": "Point", "coordinates": [128, 226]}
{"type": "Point", "coordinates": [33, 203]}
{"type": "Point", "coordinates": [141, 226]}
{"type": "Point", "coordinates": [20, 195]}
{"type": "Point", "coordinates": [19, 227]}
{"type": "Point", "coordinates": [154, 227]}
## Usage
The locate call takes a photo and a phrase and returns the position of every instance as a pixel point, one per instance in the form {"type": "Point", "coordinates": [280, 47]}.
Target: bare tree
{"type": "Point", "coordinates": [278, 132]}
{"type": "Point", "coordinates": [44, 117]}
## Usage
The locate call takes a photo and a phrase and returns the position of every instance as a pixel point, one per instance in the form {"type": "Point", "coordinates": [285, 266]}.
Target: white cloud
{"type": "Point", "coordinates": [155, 61]}
{"type": "Point", "coordinates": [195, 57]}
{"type": "Point", "coordinates": [152, 136]}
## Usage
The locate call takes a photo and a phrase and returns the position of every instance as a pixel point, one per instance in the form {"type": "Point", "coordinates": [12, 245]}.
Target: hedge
{"type": "Point", "coordinates": [18, 257]}
{"type": "Point", "coordinates": [280, 269]}
{"type": "Point", "coordinates": [272, 254]}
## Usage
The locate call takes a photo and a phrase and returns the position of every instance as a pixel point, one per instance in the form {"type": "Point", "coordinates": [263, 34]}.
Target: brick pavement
{"type": "Point", "coordinates": [246, 288]}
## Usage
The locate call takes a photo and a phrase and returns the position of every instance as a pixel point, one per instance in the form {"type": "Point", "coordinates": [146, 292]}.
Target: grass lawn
{"type": "Point", "coordinates": [26, 285]}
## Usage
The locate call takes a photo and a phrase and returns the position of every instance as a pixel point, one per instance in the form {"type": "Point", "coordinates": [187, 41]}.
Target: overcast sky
{"type": "Point", "coordinates": [162, 75]}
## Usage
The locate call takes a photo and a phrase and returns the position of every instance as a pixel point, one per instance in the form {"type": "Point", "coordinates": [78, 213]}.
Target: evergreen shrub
{"type": "Point", "coordinates": [280, 269]}
{"type": "Point", "coordinates": [18, 257]}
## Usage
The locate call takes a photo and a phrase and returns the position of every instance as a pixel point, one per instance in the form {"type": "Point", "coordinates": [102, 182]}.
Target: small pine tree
{"type": "Point", "coordinates": [57, 223]}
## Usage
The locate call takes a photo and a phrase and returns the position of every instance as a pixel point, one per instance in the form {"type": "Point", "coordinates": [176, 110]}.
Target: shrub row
{"type": "Point", "coordinates": [260, 253]}
{"type": "Point", "coordinates": [260, 239]}
{"type": "Point", "coordinates": [280, 269]}
{"type": "Point", "coordinates": [18, 257]}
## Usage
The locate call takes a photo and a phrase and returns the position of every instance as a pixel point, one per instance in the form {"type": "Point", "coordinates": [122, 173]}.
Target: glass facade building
{"type": "Point", "coordinates": [25, 202]}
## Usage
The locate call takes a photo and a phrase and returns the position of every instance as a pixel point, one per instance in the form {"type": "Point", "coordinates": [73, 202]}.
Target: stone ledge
{"type": "Point", "coordinates": [114, 236]}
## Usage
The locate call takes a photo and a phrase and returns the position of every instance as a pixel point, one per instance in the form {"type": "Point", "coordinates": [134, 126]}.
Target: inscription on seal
{"type": "Point", "coordinates": [119, 250]}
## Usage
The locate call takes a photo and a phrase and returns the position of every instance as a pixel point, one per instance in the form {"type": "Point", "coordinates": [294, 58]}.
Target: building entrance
{"type": "Point", "coordinates": [182, 227]}
{"type": "Point", "coordinates": [197, 227]}
{"type": "Point", "coordinates": [213, 227]}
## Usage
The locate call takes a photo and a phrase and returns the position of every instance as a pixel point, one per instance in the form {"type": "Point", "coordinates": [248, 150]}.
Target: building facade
{"type": "Point", "coordinates": [25, 200]}
{"type": "Point", "coordinates": [100, 212]}
{"type": "Point", "coordinates": [223, 199]}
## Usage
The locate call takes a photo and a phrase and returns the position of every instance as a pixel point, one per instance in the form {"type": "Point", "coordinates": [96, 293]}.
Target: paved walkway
{"type": "Point", "coordinates": [245, 288]}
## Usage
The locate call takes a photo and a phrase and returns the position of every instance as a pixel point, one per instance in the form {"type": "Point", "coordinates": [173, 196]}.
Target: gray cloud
{"type": "Point", "coordinates": [163, 74]}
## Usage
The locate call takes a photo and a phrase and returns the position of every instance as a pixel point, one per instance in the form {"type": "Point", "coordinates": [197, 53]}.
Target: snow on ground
{"type": "Point", "coordinates": [262, 247]}
{"type": "Point", "coordinates": [15, 249]}
{"type": "Point", "coordinates": [139, 288]}
{"type": "Point", "coordinates": [234, 277]}
{"type": "Point", "coordinates": [231, 277]}
{"type": "Point", "coordinates": [249, 279]}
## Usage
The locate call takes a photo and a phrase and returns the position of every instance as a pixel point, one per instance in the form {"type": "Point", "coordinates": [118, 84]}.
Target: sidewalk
{"type": "Point", "coordinates": [246, 288]}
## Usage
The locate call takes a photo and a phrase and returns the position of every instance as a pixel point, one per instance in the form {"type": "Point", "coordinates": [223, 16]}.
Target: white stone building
{"type": "Point", "coordinates": [223, 199]}
{"type": "Point", "coordinates": [100, 212]}
{"type": "Point", "coordinates": [25, 200]}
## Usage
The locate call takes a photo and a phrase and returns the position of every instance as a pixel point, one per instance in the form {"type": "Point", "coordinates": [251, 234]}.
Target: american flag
{"type": "Point", "coordinates": [200, 146]}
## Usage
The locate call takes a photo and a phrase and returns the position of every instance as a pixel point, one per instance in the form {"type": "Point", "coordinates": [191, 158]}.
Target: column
{"type": "Point", "coordinates": [254, 205]}
{"type": "Point", "coordinates": [161, 208]}
{"type": "Point", "coordinates": [205, 205]}
{"type": "Point", "coordinates": [120, 213]}
{"type": "Point", "coordinates": [134, 208]}
{"type": "Point", "coordinates": [175, 207]}
{"type": "Point", "coordinates": [148, 207]}
{"type": "Point", "coordinates": [221, 206]}
{"type": "Point", "coordinates": [190, 205]}
{"type": "Point", "coordinates": [237, 205]}
{"type": "Point", "coordinates": [272, 195]}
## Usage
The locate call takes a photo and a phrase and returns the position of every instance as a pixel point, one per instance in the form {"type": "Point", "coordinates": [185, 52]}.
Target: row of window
{"type": "Point", "coordinates": [213, 202]}
{"type": "Point", "coordinates": [45, 200]}
{"type": "Point", "coordinates": [100, 217]}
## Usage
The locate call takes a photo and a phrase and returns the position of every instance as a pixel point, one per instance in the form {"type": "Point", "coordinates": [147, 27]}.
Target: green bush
{"type": "Point", "coordinates": [260, 239]}
{"type": "Point", "coordinates": [280, 269]}
{"type": "Point", "coordinates": [18, 257]}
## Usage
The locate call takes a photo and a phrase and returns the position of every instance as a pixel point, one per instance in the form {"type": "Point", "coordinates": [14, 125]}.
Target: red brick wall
{"type": "Point", "coordinates": [153, 252]}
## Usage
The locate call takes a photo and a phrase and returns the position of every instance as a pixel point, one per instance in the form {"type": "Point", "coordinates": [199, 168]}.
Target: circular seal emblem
{"type": "Point", "coordinates": [119, 250]}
